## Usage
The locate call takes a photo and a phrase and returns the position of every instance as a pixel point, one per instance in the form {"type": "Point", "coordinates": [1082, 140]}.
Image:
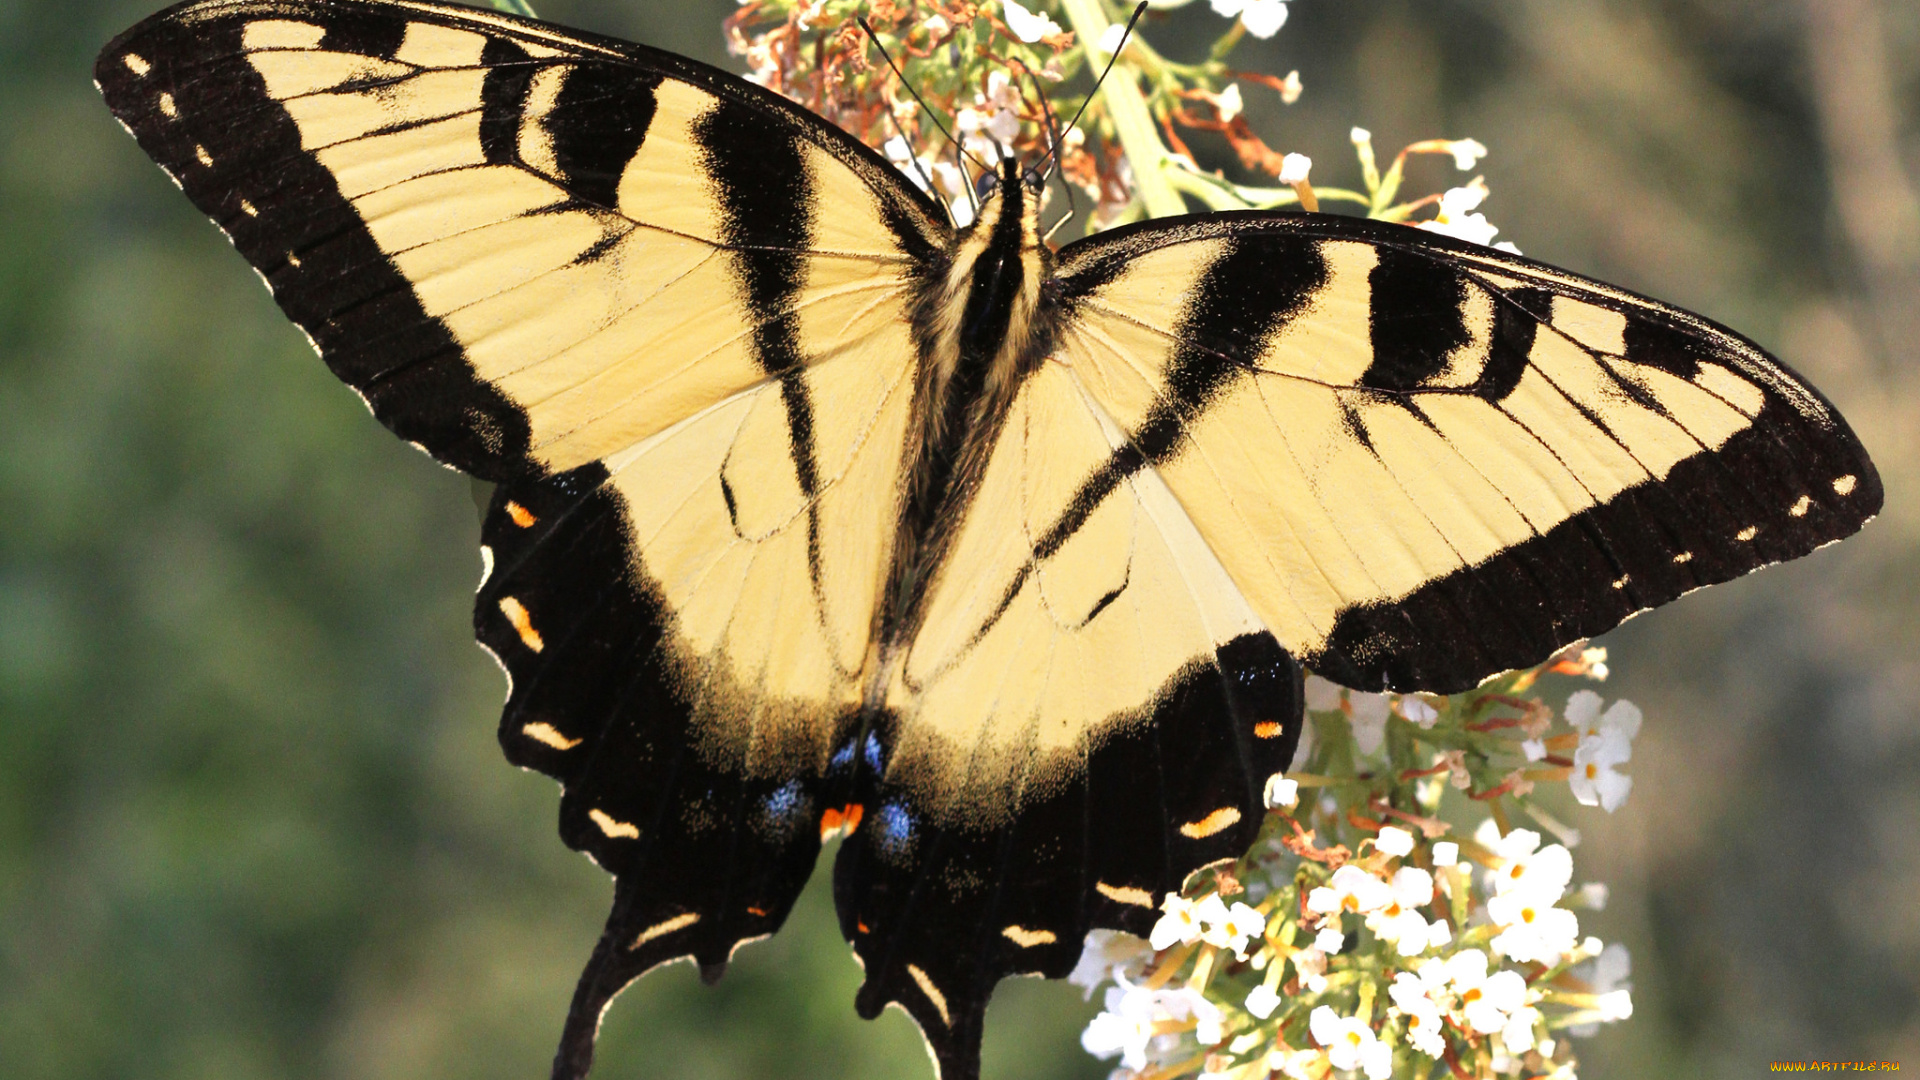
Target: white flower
{"type": "Point", "coordinates": [1180, 925]}
{"type": "Point", "coordinates": [1446, 853]}
{"type": "Point", "coordinates": [1026, 25]}
{"type": "Point", "coordinates": [1621, 721]}
{"type": "Point", "coordinates": [1592, 896]}
{"type": "Point", "coordinates": [1330, 940]}
{"type": "Point", "coordinates": [1322, 696]}
{"type": "Point", "coordinates": [1531, 928]}
{"type": "Point", "coordinates": [1263, 18]}
{"type": "Point", "coordinates": [1606, 976]}
{"type": "Point", "coordinates": [936, 27]}
{"type": "Point", "coordinates": [1109, 954]}
{"type": "Point", "coordinates": [1351, 889]}
{"type": "Point", "coordinates": [1129, 1024]}
{"type": "Point", "coordinates": [1535, 749]}
{"type": "Point", "coordinates": [1398, 921]}
{"type": "Point", "coordinates": [1360, 136]}
{"type": "Point", "coordinates": [1456, 217]}
{"type": "Point", "coordinates": [1473, 228]}
{"type": "Point", "coordinates": [1124, 1028]}
{"type": "Point", "coordinates": [1229, 103]}
{"type": "Point", "coordinates": [1594, 780]}
{"type": "Point", "coordinates": [1110, 38]}
{"type": "Point", "coordinates": [1294, 169]}
{"type": "Point", "coordinates": [1486, 1001]}
{"type": "Point", "coordinates": [1394, 841]}
{"type": "Point", "coordinates": [1229, 928]}
{"type": "Point", "coordinates": [1351, 1043]}
{"type": "Point", "coordinates": [1000, 91]}
{"type": "Point", "coordinates": [1311, 966]}
{"type": "Point", "coordinates": [1606, 740]}
{"type": "Point", "coordinates": [1004, 126]}
{"type": "Point", "coordinates": [1423, 1014]}
{"type": "Point", "coordinates": [1439, 935]}
{"type": "Point", "coordinates": [1419, 712]}
{"type": "Point", "coordinates": [1609, 971]}
{"type": "Point", "coordinates": [1517, 1036]}
{"type": "Point", "coordinates": [1543, 873]}
{"type": "Point", "coordinates": [1209, 1026]}
{"type": "Point", "coordinates": [1282, 792]}
{"type": "Point", "coordinates": [1261, 1001]}
{"type": "Point", "coordinates": [1466, 153]}
{"type": "Point", "coordinates": [1369, 717]}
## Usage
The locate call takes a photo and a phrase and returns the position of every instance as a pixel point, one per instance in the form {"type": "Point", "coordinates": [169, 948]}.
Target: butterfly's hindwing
{"type": "Point", "coordinates": [941, 908]}
{"type": "Point", "coordinates": [1449, 462]}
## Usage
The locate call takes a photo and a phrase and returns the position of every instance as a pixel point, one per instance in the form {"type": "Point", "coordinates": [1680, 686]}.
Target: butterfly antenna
{"type": "Point", "coordinates": [1117, 50]}
{"type": "Point", "coordinates": [898, 74]}
{"type": "Point", "coordinates": [1053, 144]}
{"type": "Point", "coordinates": [920, 171]}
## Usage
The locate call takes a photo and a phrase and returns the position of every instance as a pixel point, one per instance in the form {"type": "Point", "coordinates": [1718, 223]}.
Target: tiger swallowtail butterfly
{"type": "Point", "coordinates": [818, 516]}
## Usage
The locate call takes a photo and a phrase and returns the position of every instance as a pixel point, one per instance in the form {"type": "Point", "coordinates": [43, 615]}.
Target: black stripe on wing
{"type": "Point", "coordinates": [940, 915]}
{"type": "Point", "coordinates": [1644, 547]}
{"type": "Point", "coordinates": [1240, 301]}
{"type": "Point", "coordinates": [238, 157]}
{"type": "Point", "coordinates": [767, 209]}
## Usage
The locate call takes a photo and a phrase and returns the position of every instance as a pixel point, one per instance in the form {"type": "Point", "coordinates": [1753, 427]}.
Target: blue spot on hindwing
{"type": "Point", "coordinates": [893, 829]}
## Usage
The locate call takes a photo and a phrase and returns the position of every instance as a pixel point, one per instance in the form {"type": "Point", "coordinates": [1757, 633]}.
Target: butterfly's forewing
{"type": "Point", "coordinates": [1447, 462]}
{"type": "Point", "coordinates": [668, 313]}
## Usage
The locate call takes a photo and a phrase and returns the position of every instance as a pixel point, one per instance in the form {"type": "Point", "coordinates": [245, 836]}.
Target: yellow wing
{"type": "Point", "coordinates": [669, 313]}
{"type": "Point", "coordinates": [1424, 462]}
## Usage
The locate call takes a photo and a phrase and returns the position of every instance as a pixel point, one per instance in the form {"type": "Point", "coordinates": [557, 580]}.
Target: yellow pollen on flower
{"type": "Point", "coordinates": [1526, 915]}
{"type": "Point", "coordinates": [1471, 995]}
{"type": "Point", "coordinates": [1593, 771]}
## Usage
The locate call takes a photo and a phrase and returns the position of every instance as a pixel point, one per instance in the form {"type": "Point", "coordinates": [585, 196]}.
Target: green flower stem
{"type": "Point", "coordinates": [1217, 196]}
{"type": "Point", "coordinates": [1131, 121]}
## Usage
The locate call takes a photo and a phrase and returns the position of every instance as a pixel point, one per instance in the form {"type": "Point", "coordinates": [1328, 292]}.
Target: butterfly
{"type": "Point", "coordinates": [819, 517]}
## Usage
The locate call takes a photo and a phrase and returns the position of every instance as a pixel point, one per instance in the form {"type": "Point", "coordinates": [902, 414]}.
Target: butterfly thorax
{"type": "Point", "coordinates": [980, 330]}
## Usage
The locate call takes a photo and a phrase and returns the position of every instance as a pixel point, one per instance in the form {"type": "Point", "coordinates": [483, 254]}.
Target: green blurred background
{"type": "Point", "coordinates": [253, 821]}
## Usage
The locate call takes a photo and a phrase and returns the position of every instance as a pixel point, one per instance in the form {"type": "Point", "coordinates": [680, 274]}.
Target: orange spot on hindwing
{"type": "Point", "coordinates": [522, 622]}
{"type": "Point", "coordinates": [840, 822]}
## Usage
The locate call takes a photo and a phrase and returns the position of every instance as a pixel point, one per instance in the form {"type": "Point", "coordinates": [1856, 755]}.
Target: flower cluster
{"type": "Point", "coordinates": [977, 79]}
{"type": "Point", "coordinates": [1392, 916]}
